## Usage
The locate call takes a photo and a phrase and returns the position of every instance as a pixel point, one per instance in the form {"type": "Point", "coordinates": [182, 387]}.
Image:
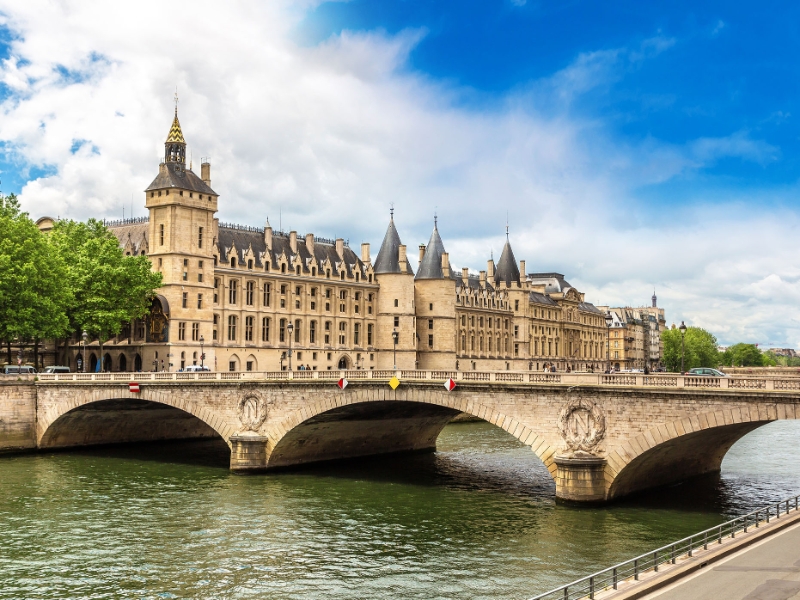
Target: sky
{"type": "Point", "coordinates": [632, 146]}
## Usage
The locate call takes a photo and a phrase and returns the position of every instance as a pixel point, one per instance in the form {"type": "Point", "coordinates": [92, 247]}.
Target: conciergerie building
{"type": "Point", "coordinates": [254, 299]}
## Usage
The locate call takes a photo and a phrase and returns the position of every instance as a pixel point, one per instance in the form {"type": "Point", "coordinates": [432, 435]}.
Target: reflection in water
{"type": "Point", "coordinates": [477, 519]}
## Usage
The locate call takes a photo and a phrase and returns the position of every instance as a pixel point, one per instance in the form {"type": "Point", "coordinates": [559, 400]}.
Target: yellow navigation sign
{"type": "Point", "coordinates": [394, 382]}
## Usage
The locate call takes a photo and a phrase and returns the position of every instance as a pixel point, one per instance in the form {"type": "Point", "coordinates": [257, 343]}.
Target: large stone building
{"type": "Point", "coordinates": [635, 336]}
{"type": "Point", "coordinates": [254, 298]}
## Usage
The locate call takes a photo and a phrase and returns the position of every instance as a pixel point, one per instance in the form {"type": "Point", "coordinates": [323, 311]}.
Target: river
{"type": "Point", "coordinates": [475, 520]}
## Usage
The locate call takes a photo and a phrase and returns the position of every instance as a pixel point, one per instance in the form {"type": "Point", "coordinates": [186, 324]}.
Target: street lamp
{"type": "Point", "coordinates": [609, 321]}
{"type": "Point", "coordinates": [395, 336]}
{"type": "Point", "coordinates": [202, 354]}
{"type": "Point", "coordinates": [290, 329]}
{"type": "Point", "coordinates": [84, 338]}
{"type": "Point", "coordinates": [683, 344]}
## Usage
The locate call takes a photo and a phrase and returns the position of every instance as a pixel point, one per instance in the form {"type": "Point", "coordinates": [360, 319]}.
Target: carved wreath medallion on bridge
{"type": "Point", "coordinates": [252, 411]}
{"type": "Point", "coordinates": [582, 425]}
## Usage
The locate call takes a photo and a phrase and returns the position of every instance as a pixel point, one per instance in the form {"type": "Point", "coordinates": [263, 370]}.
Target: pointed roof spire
{"type": "Point", "coordinates": [431, 265]}
{"type": "Point", "coordinates": [507, 269]}
{"type": "Point", "coordinates": [388, 259]}
{"type": "Point", "coordinates": [175, 133]}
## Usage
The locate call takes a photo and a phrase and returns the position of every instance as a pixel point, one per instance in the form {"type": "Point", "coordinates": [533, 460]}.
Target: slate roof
{"type": "Point", "coordinates": [542, 299]}
{"type": "Point", "coordinates": [553, 282]}
{"type": "Point", "coordinates": [388, 260]}
{"type": "Point", "coordinates": [473, 283]}
{"type": "Point", "coordinates": [175, 134]}
{"type": "Point", "coordinates": [507, 269]}
{"type": "Point", "coordinates": [137, 233]}
{"type": "Point", "coordinates": [173, 175]}
{"type": "Point", "coordinates": [589, 307]}
{"type": "Point", "coordinates": [431, 265]}
{"type": "Point", "coordinates": [248, 237]}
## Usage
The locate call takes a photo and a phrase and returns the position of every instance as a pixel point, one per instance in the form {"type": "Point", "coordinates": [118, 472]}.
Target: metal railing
{"type": "Point", "coordinates": [667, 381]}
{"type": "Point", "coordinates": [610, 578]}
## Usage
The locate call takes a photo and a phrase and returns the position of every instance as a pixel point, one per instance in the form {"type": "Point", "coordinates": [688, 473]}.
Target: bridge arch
{"type": "Point", "coordinates": [102, 415]}
{"type": "Point", "coordinates": [686, 447]}
{"type": "Point", "coordinates": [296, 439]}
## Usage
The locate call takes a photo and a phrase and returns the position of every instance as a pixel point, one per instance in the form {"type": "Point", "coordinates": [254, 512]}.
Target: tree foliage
{"type": "Point", "coordinates": [33, 297]}
{"type": "Point", "coordinates": [746, 355]}
{"type": "Point", "coordinates": [700, 349]}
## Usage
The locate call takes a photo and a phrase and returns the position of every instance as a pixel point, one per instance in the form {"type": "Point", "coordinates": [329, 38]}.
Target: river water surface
{"type": "Point", "coordinates": [475, 520]}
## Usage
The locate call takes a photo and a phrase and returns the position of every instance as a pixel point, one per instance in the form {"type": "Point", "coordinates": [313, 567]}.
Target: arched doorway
{"type": "Point", "coordinates": [137, 363]}
{"type": "Point", "coordinates": [107, 363]}
{"type": "Point", "coordinates": [123, 363]}
{"type": "Point", "coordinates": [92, 363]}
{"type": "Point", "coordinates": [344, 363]}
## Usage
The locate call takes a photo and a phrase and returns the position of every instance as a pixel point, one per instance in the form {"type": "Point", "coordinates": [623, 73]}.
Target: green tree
{"type": "Point", "coordinates": [700, 349]}
{"type": "Point", "coordinates": [33, 298]}
{"type": "Point", "coordinates": [745, 355]}
{"type": "Point", "coordinates": [109, 288]}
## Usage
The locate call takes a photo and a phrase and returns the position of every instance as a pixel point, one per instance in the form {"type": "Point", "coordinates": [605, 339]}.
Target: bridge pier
{"type": "Point", "coordinates": [248, 453]}
{"type": "Point", "coordinates": [580, 479]}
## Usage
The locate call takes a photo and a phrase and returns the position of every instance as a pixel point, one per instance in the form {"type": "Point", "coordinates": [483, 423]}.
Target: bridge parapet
{"type": "Point", "coordinates": [668, 380]}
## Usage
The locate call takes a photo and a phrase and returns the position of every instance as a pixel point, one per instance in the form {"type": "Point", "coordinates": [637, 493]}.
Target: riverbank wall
{"type": "Point", "coordinates": [17, 416]}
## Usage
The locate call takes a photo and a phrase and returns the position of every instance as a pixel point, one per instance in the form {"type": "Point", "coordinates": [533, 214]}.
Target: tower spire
{"type": "Point", "coordinates": [175, 146]}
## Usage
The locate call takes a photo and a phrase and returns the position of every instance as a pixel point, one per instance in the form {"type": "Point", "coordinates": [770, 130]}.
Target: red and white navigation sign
{"type": "Point", "coordinates": [342, 383]}
{"type": "Point", "coordinates": [450, 385]}
{"type": "Point", "coordinates": [133, 387]}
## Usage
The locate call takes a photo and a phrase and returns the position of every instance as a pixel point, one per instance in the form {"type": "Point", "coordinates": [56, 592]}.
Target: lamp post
{"type": "Point", "coordinates": [609, 321]}
{"type": "Point", "coordinates": [290, 329]}
{"type": "Point", "coordinates": [683, 344]}
{"type": "Point", "coordinates": [84, 339]}
{"type": "Point", "coordinates": [395, 336]}
{"type": "Point", "coordinates": [202, 354]}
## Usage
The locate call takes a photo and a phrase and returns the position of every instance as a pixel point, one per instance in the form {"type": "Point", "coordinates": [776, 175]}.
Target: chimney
{"type": "Point", "coordinates": [402, 258]}
{"type": "Point", "coordinates": [365, 252]}
{"type": "Point", "coordinates": [340, 248]}
{"type": "Point", "coordinates": [490, 269]}
{"type": "Point", "coordinates": [465, 275]}
{"type": "Point", "coordinates": [522, 275]}
{"type": "Point", "coordinates": [421, 252]}
{"type": "Point", "coordinates": [483, 279]}
{"type": "Point", "coordinates": [268, 236]}
{"type": "Point", "coordinates": [445, 265]}
{"type": "Point", "coordinates": [205, 173]}
{"type": "Point", "coordinates": [293, 241]}
{"type": "Point", "coordinates": [310, 243]}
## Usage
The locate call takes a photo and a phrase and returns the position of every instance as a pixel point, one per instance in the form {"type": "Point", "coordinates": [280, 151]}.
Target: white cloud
{"type": "Point", "coordinates": [331, 135]}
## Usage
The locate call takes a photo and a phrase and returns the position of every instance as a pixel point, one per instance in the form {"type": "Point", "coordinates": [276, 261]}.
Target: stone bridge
{"type": "Point", "coordinates": [601, 437]}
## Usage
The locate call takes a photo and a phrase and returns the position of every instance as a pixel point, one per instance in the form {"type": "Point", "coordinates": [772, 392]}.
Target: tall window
{"type": "Point", "coordinates": [430, 341]}
{"type": "Point", "coordinates": [369, 335]}
{"type": "Point", "coordinates": [232, 285]}
{"type": "Point", "coordinates": [232, 328]}
{"type": "Point", "coordinates": [199, 300]}
{"type": "Point", "coordinates": [195, 332]}
{"type": "Point", "coordinates": [248, 328]}
{"type": "Point", "coordinates": [266, 293]}
{"type": "Point", "coordinates": [250, 293]}
{"type": "Point", "coordinates": [216, 290]}
{"type": "Point", "coordinates": [342, 333]}
{"type": "Point", "coordinates": [356, 333]}
{"type": "Point", "coordinates": [282, 331]}
{"type": "Point", "coordinates": [161, 235]}
{"type": "Point", "coordinates": [200, 238]}
{"type": "Point", "coordinates": [312, 332]}
{"type": "Point", "coordinates": [297, 331]}
{"type": "Point", "coordinates": [185, 299]}
{"type": "Point", "coordinates": [265, 329]}
{"type": "Point", "coordinates": [181, 331]}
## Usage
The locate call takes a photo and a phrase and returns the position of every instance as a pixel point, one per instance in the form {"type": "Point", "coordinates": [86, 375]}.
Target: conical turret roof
{"type": "Point", "coordinates": [388, 260]}
{"type": "Point", "coordinates": [431, 265]}
{"type": "Point", "coordinates": [507, 269]}
{"type": "Point", "coordinates": [175, 133]}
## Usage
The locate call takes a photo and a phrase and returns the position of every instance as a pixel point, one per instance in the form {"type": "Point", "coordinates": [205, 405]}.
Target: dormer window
{"type": "Point", "coordinates": [181, 192]}
{"type": "Point", "coordinates": [233, 263]}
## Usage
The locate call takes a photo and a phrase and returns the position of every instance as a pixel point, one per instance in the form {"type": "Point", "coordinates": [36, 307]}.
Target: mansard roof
{"type": "Point", "coordinates": [388, 260]}
{"type": "Point", "coordinates": [174, 176]}
{"type": "Point", "coordinates": [242, 238]}
{"type": "Point", "coordinates": [507, 269]}
{"type": "Point", "coordinates": [431, 265]}
{"type": "Point", "coordinates": [589, 307]}
{"type": "Point", "coordinates": [553, 282]}
{"type": "Point", "coordinates": [538, 298]}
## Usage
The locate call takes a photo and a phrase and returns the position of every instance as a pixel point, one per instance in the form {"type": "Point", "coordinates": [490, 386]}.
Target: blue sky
{"type": "Point", "coordinates": [630, 145]}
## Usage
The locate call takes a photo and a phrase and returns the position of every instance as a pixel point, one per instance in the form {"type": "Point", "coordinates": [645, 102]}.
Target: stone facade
{"type": "Point", "coordinates": [231, 294]}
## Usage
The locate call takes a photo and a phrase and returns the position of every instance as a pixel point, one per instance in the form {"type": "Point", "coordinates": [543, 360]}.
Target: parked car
{"type": "Point", "coordinates": [56, 369]}
{"type": "Point", "coordinates": [707, 372]}
{"type": "Point", "coordinates": [15, 370]}
{"type": "Point", "coordinates": [195, 368]}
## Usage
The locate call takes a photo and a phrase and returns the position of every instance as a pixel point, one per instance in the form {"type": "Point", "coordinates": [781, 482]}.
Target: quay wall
{"type": "Point", "coordinates": [17, 416]}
